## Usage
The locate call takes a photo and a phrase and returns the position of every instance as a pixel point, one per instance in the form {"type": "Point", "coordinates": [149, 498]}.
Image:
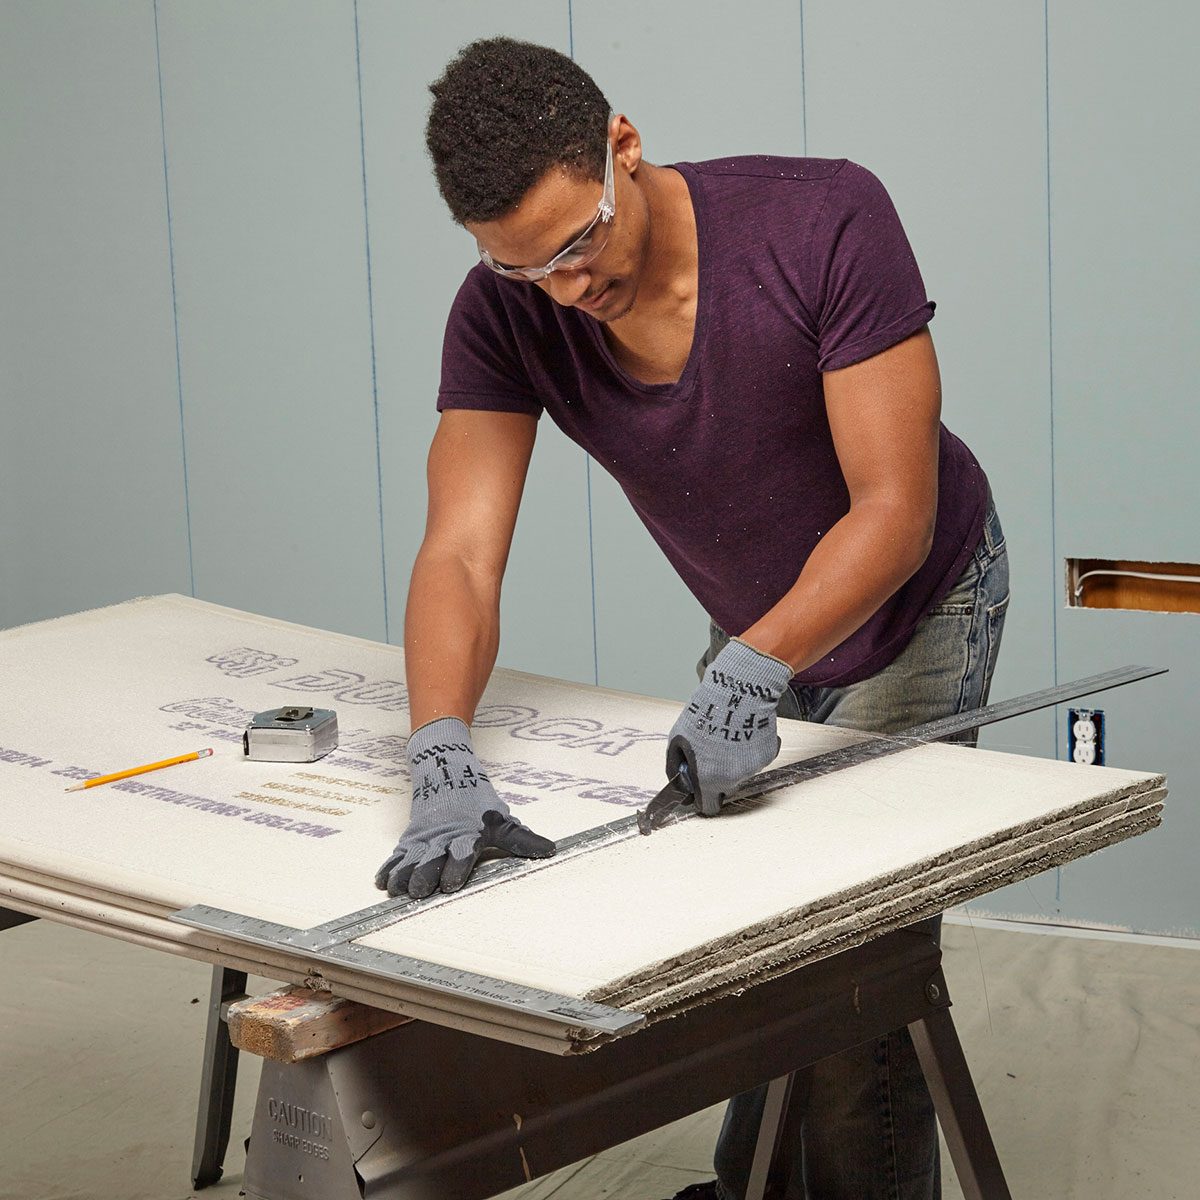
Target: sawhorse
{"type": "Point", "coordinates": [424, 1111]}
{"type": "Point", "coordinates": [351, 1124]}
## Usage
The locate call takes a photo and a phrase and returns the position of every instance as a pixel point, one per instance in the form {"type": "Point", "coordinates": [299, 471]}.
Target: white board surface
{"type": "Point", "coordinates": [658, 922]}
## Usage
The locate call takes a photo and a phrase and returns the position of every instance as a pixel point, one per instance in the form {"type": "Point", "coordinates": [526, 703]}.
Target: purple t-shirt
{"type": "Point", "coordinates": [804, 268]}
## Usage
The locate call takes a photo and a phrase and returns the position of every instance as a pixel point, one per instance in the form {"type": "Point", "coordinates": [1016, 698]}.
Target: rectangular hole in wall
{"type": "Point", "coordinates": [1124, 583]}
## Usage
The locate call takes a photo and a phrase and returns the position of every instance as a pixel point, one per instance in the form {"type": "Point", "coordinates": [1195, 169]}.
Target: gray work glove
{"type": "Point", "coordinates": [727, 731]}
{"type": "Point", "coordinates": [456, 815]}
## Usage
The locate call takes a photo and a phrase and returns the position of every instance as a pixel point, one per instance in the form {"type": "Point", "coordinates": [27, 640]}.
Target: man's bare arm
{"type": "Point", "coordinates": [884, 414]}
{"type": "Point", "coordinates": [477, 467]}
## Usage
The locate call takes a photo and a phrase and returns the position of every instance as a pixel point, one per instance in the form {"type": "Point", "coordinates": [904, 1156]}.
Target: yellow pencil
{"type": "Point", "coordinates": [166, 762]}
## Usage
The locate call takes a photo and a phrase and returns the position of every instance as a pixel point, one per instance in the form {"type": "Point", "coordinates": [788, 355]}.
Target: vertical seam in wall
{"type": "Point", "coordinates": [587, 458]}
{"type": "Point", "coordinates": [1050, 362]}
{"type": "Point", "coordinates": [1054, 572]}
{"type": "Point", "coordinates": [587, 461]}
{"type": "Point", "coordinates": [803, 90]}
{"type": "Point", "coordinates": [162, 121]}
{"type": "Point", "coordinates": [362, 146]}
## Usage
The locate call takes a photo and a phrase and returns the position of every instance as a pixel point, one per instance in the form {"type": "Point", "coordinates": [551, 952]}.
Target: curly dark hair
{"type": "Point", "coordinates": [504, 112]}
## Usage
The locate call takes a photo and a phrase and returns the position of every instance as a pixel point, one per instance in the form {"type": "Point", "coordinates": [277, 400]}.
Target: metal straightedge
{"type": "Point", "coordinates": [941, 730]}
{"type": "Point", "coordinates": [317, 946]}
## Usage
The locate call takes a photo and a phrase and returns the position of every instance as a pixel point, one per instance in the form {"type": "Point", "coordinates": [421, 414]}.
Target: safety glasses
{"type": "Point", "coordinates": [582, 250]}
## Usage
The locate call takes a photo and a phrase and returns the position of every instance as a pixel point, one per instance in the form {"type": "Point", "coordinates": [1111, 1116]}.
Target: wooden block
{"type": "Point", "coordinates": [295, 1023]}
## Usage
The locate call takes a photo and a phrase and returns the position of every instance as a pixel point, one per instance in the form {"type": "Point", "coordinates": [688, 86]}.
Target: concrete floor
{"type": "Point", "coordinates": [1085, 1052]}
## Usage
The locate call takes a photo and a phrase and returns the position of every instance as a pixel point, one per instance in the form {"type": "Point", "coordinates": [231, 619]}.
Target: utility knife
{"type": "Point", "coordinates": [658, 812]}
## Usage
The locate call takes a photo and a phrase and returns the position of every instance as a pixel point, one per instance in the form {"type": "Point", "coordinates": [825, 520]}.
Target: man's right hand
{"type": "Point", "coordinates": [456, 815]}
{"type": "Point", "coordinates": [727, 732]}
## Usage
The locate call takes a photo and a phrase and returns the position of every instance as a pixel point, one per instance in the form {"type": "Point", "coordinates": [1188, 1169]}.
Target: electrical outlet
{"type": "Point", "coordinates": [1085, 736]}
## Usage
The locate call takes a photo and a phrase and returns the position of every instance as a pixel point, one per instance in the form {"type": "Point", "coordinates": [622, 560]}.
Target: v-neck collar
{"type": "Point", "coordinates": [681, 387]}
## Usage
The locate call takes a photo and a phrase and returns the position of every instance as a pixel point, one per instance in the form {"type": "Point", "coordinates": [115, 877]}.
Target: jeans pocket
{"type": "Point", "coordinates": [993, 540]}
{"type": "Point", "coordinates": [961, 599]}
{"type": "Point", "coordinates": [994, 630]}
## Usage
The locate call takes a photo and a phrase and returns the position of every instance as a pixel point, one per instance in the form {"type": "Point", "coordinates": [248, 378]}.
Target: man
{"type": "Point", "coordinates": [743, 345]}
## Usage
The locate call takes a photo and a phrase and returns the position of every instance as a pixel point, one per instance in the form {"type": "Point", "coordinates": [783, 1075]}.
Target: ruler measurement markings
{"type": "Point", "coordinates": [390, 912]}
{"type": "Point", "coordinates": [460, 981]}
{"type": "Point", "coordinates": [938, 730]}
{"type": "Point", "coordinates": [420, 973]}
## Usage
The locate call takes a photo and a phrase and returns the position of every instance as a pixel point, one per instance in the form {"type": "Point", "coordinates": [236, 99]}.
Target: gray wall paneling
{"type": "Point", "coordinates": [298, 331]}
{"type": "Point", "coordinates": [1125, 190]}
{"type": "Point", "coordinates": [1150, 884]}
{"type": "Point", "coordinates": [91, 482]}
{"type": "Point", "coordinates": [736, 90]}
{"type": "Point", "coordinates": [946, 104]}
{"type": "Point", "coordinates": [419, 257]}
{"type": "Point", "coordinates": [262, 137]}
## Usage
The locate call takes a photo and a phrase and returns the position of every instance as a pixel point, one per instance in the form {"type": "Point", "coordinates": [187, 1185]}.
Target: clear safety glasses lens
{"type": "Point", "coordinates": [582, 250]}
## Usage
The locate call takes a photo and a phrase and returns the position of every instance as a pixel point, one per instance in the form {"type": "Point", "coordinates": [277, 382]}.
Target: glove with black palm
{"type": "Point", "coordinates": [456, 816]}
{"type": "Point", "coordinates": [727, 731]}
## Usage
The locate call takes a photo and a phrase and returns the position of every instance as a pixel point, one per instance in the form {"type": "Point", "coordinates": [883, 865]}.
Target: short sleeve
{"type": "Point", "coordinates": [481, 364]}
{"type": "Point", "coordinates": [870, 294]}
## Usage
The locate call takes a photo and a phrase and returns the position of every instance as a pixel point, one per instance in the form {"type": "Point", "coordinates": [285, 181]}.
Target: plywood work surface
{"type": "Point", "coordinates": [651, 923]}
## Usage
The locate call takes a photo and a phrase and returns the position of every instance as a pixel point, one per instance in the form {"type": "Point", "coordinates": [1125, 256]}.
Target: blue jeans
{"type": "Point", "coordinates": [866, 1121]}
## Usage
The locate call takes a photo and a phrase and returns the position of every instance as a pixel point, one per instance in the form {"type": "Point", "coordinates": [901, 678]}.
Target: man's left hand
{"type": "Point", "coordinates": [727, 731]}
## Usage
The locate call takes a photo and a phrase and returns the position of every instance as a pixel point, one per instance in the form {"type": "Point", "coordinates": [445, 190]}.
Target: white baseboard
{"type": "Point", "coordinates": [961, 916]}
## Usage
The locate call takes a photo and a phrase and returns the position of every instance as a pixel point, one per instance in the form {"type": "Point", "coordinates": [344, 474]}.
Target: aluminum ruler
{"type": "Point", "coordinates": [320, 946]}
{"type": "Point", "coordinates": [879, 745]}
{"type": "Point", "coordinates": [334, 941]}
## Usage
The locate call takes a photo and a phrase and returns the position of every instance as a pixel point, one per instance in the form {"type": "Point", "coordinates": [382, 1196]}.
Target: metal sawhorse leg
{"type": "Point", "coordinates": [959, 1111]}
{"type": "Point", "coordinates": [218, 1080]}
{"type": "Point", "coordinates": [10, 918]}
{"type": "Point", "coordinates": [954, 1098]}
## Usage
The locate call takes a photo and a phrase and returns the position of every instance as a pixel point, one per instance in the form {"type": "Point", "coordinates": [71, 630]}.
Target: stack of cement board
{"type": "Point", "coordinates": [654, 925]}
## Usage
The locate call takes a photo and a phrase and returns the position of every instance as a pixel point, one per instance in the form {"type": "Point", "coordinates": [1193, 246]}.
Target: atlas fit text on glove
{"type": "Point", "coordinates": [456, 816]}
{"type": "Point", "coordinates": [726, 733]}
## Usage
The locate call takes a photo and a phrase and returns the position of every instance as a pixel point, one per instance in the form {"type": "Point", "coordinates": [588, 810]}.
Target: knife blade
{"type": "Point", "coordinates": [678, 791]}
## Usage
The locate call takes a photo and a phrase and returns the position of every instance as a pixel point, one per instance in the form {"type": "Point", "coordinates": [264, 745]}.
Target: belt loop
{"type": "Point", "coordinates": [989, 514]}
